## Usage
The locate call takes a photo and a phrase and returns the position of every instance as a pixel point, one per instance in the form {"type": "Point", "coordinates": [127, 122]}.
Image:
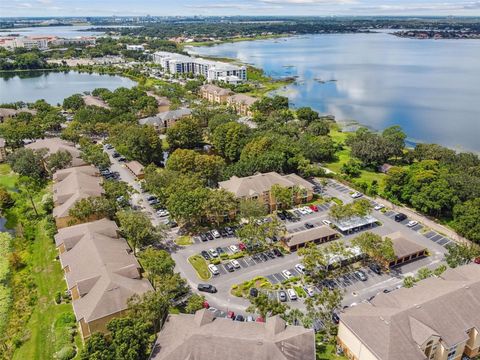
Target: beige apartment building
{"type": "Point", "coordinates": [101, 273]}
{"type": "Point", "coordinates": [53, 145]}
{"type": "Point", "coordinates": [242, 104]}
{"type": "Point", "coordinates": [437, 319]}
{"type": "Point", "coordinates": [215, 94]}
{"type": "Point", "coordinates": [258, 187]}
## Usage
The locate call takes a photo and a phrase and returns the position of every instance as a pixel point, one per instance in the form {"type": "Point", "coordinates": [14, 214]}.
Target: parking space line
{"type": "Point", "coordinates": [436, 238]}
{"type": "Point", "coordinates": [429, 234]}
{"type": "Point", "coordinates": [442, 241]}
{"type": "Point", "coordinates": [272, 279]}
{"type": "Point", "coordinates": [279, 277]}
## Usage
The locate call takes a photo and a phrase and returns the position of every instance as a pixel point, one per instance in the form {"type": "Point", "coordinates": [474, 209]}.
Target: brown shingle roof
{"type": "Point", "coordinates": [256, 185]}
{"type": "Point", "coordinates": [53, 145]}
{"type": "Point", "coordinates": [402, 246]}
{"type": "Point", "coordinates": [217, 90]}
{"type": "Point", "coordinates": [394, 324]}
{"type": "Point", "coordinates": [101, 266]}
{"type": "Point", "coordinates": [73, 186]}
{"type": "Point", "coordinates": [312, 234]}
{"type": "Point", "coordinates": [201, 336]}
{"type": "Point", "coordinates": [135, 167]}
{"type": "Point", "coordinates": [242, 99]}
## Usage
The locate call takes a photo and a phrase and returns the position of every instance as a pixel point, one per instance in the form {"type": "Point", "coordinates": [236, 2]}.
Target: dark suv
{"type": "Point", "coordinates": [207, 288]}
{"type": "Point", "coordinates": [400, 217]}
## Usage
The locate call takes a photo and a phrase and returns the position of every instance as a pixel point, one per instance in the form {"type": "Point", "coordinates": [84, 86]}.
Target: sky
{"type": "Point", "coordinates": [47, 8]}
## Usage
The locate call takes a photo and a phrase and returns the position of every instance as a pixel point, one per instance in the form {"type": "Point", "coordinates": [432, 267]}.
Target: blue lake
{"type": "Point", "coordinates": [54, 86]}
{"type": "Point", "coordinates": [429, 87]}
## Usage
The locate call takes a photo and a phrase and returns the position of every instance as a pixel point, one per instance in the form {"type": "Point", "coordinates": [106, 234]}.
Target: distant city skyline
{"type": "Point", "coordinates": [26, 8]}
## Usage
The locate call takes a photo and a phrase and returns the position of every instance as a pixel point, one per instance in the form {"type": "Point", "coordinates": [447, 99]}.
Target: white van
{"type": "Point", "coordinates": [292, 294]}
{"type": "Point", "coordinates": [213, 269]}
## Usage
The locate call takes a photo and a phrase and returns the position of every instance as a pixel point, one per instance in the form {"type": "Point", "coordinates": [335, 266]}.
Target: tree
{"type": "Point", "coordinates": [466, 219]}
{"type": "Point", "coordinates": [267, 105]}
{"type": "Point", "coordinates": [307, 115]}
{"type": "Point", "coordinates": [255, 236]}
{"type": "Point", "coordinates": [131, 338]}
{"type": "Point", "coordinates": [137, 228]}
{"type": "Point", "coordinates": [461, 254]}
{"type": "Point", "coordinates": [117, 191]}
{"type": "Point", "coordinates": [97, 347]}
{"type": "Point", "coordinates": [409, 281]}
{"type": "Point", "coordinates": [6, 200]}
{"type": "Point", "coordinates": [150, 308]}
{"type": "Point", "coordinates": [378, 249]}
{"type": "Point", "coordinates": [395, 140]}
{"type": "Point", "coordinates": [322, 305]}
{"type": "Point", "coordinates": [27, 162]}
{"type": "Point", "coordinates": [73, 102]}
{"type": "Point", "coordinates": [229, 140]}
{"type": "Point", "coordinates": [252, 209]}
{"type": "Point", "coordinates": [370, 148]}
{"type": "Point", "coordinates": [266, 307]}
{"type": "Point", "coordinates": [357, 208]}
{"type": "Point", "coordinates": [187, 205]}
{"type": "Point", "coordinates": [219, 205]}
{"type": "Point", "coordinates": [91, 207]}
{"type": "Point", "coordinates": [318, 128]}
{"type": "Point", "coordinates": [30, 187]}
{"type": "Point", "coordinates": [186, 133]}
{"type": "Point", "coordinates": [57, 161]}
{"type": "Point", "coordinates": [424, 273]}
{"type": "Point", "coordinates": [294, 317]}
{"type": "Point", "coordinates": [283, 196]}
{"type": "Point", "coordinates": [156, 263]}
{"type": "Point", "coordinates": [351, 168]}
{"type": "Point", "coordinates": [194, 303]}
{"type": "Point", "coordinates": [94, 154]}
{"type": "Point", "coordinates": [317, 148]}
{"type": "Point", "coordinates": [317, 260]}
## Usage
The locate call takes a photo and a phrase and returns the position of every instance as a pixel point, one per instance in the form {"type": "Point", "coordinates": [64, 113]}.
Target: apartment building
{"type": "Point", "coordinates": [27, 42]}
{"type": "Point", "coordinates": [71, 185]}
{"type": "Point", "coordinates": [437, 319]}
{"type": "Point", "coordinates": [101, 273]}
{"type": "Point", "coordinates": [80, 40]}
{"type": "Point", "coordinates": [215, 94]}
{"type": "Point", "coordinates": [10, 113]}
{"type": "Point", "coordinates": [165, 119]}
{"type": "Point", "coordinates": [135, 47]}
{"type": "Point", "coordinates": [259, 186]}
{"type": "Point", "coordinates": [202, 336]}
{"type": "Point", "coordinates": [242, 104]}
{"type": "Point", "coordinates": [211, 70]}
{"type": "Point", "coordinates": [3, 153]}
{"type": "Point", "coordinates": [53, 145]}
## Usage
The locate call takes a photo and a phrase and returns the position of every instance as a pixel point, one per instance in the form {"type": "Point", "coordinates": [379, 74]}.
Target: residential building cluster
{"type": "Point", "coordinates": [217, 95]}
{"type": "Point", "coordinates": [437, 319]}
{"type": "Point", "coordinates": [9, 113]}
{"type": "Point", "coordinates": [43, 42]}
{"type": "Point", "coordinates": [211, 70]}
{"type": "Point", "coordinates": [165, 119]}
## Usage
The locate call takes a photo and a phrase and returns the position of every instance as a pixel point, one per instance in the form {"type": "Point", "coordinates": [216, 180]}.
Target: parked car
{"type": "Point", "coordinates": [241, 246]}
{"type": "Point", "coordinates": [203, 237]}
{"type": "Point", "coordinates": [300, 268]}
{"type": "Point", "coordinates": [108, 146]}
{"type": "Point", "coordinates": [281, 216]}
{"type": "Point", "coordinates": [282, 295]}
{"type": "Point", "coordinates": [263, 256]}
{"type": "Point", "coordinates": [122, 159]}
{"type": "Point", "coordinates": [253, 292]}
{"type": "Point", "coordinates": [250, 318]}
{"type": "Point", "coordinates": [327, 222]}
{"type": "Point", "coordinates": [239, 318]}
{"type": "Point", "coordinates": [230, 315]}
{"type": "Point", "coordinates": [215, 233]}
{"type": "Point", "coordinates": [356, 195]}
{"type": "Point", "coordinates": [115, 155]}
{"type": "Point", "coordinates": [213, 269]}
{"type": "Point", "coordinates": [335, 318]}
{"type": "Point", "coordinates": [412, 223]}
{"type": "Point", "coordinates": [314, 208]}
{"type": "Point", "coordinates": [329, 284]}
{"type": "Point", "coordinates": [162, 213]}
{"type": "Point", "coordinates": [229, 267]}
{"type": "Point", "coordinates": [207, 288]}
{"type": "Point", "coordinates": [292, 294]}
{"type": "Point", "coordinates": [400, 217]}
{"type": "Point", "coordinates": [310, 291]}
{"type": "Point", "coordinates": [307, 210]}
{"type": "Point", "coordinates": [287, 274]}
{"type": "Point", "coordinates": [229, 231]}
{"type": "Point", "coordinates": [233, 248]}
{"type": "Point", "coordinates": [379, 207]}
{"type": "Point", "coordinates": [205, 304]}
{"type": "Point", "coordinates": [270, 254]}
{"type": "Point", "coordinates": [309, 226]}
{"type": "Point", "coordinates": [277, 252]}
{"type": "Point", "coordinates": [235, 264]}
{"type": "Point", "coordinates": [477, 260]}
{"type": "Point", "coordinates": [212, 252]}
{"type": "Point", "coordinates": [205, 255]}
{"type": "Point", "coordinates": [223, 232]}
{"type": "Point", "coordinates": [377, 269]}
{"type": "Point", "coordinates": [209, 236]}
{"type": "Point", "coordinates": [360, 275]}
{"type": "Point", "coordinates": [260, 319]}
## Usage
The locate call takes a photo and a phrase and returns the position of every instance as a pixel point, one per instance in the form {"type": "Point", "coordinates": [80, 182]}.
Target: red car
{"type": "Point", "coordinates": [260, 319]}
{"type": "Point", "coordinates": [477, 260]}
{"type": "Point", "coordinates": [230, 315]}
{"type": "Point", "coordinates": [313, 207]}
{"type": "Point", "coordinates": [206, 305]}
{"type": "Point", "coordinates": [242, 246]}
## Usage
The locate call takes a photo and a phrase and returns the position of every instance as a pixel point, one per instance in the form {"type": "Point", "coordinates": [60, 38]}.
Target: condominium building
{"type": "Point", "coordinates": [27, 42]}
{"type": "Point", "coordinates": [81, 40]}
{"type": "Point", "coordinates": [135, 47]}
{"type": "Point", "coordinates": [242, 104]}
{"type": "Point", "coordinates": [101, 273]}
{"type": "Point", "coordinates": [165, 119]}
{"type": "Point", "coordinates": [436, 319]}
{"type": "Point", "coordinates": [259, 186]}
{"type": "Point", "coordinates": [215, 94]}
{"type": "Point", "coordinates": [211, 70]}
{"type": "Point", "coordinates": [53, 145]}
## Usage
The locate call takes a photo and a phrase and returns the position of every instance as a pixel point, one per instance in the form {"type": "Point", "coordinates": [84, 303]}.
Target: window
{"type": "Point", "coordinates": [451, 353]}
{"type": "Point", "coordinates": [428, 349]}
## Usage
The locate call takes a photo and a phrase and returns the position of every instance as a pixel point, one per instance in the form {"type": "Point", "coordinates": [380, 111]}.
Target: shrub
{"type": "Point", "coordinates": [58, 297]}
{"type": "Point", "coordinates": [215, 261]}
{"type": "Point", "coordinates": [65, 353]}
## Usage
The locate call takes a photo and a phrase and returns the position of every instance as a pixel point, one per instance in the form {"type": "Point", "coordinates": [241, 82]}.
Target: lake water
{"type": "Point", "coordinates": [54, 86]}
{"type": "Point", "coordinates": [61, 31]}
{"type": "Point", "coordinates": [429, 87]}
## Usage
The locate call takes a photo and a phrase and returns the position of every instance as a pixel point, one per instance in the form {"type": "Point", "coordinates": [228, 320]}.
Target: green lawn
{"type": "Point", "coordinates": [327, 352]}
{"type": "Point", "coordinates": [184, 240]}
{"type": "Point", "coordinates": [7, 177]}
{"type": "Point", "coordinates": [200, 266]}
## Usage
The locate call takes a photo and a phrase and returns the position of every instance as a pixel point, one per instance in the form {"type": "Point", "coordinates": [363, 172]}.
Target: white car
{"type": "Point", "coordinates": [307, 210]}
{"type": "Point", "coordinates": [287, 274]}
{"type": "Point", "coordinates": [233, 248]}
{"type": "Point", "coordinates": [356, 195]}
{"type": "Point", "coordinates": [379, 207]}
{"type": "Point", "coordinates": [310, 291]}
{"type": "Point", "coordinates": [213, 252]}
{"type": "Point", "coordinates": [302, 211]}
{"type": "Point", "coordinates": [412, 223]}
{"type": "Point", "coordinates": [327, 222]}
{"type": "Point", "coordinates": [292, 294]}
{"type": "Point", "coordinates": [162, 213]}
{"type": "Point", "coordinates": [235, 264]}
{"type": "Point", "coordinates": [213, 269]}
{"type": "Point", "coordinates": [215, 233]}
{"type": "Point", "coordinates": [300, 268]}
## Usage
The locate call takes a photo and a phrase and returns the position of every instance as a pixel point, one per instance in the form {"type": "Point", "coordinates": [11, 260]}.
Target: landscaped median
{"type": "Point", "coordinates": [200, 266]}
{"type": "Point", "coordinates": [184, 240]}
{"type": "Point", "coordinates": [243, 289]}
